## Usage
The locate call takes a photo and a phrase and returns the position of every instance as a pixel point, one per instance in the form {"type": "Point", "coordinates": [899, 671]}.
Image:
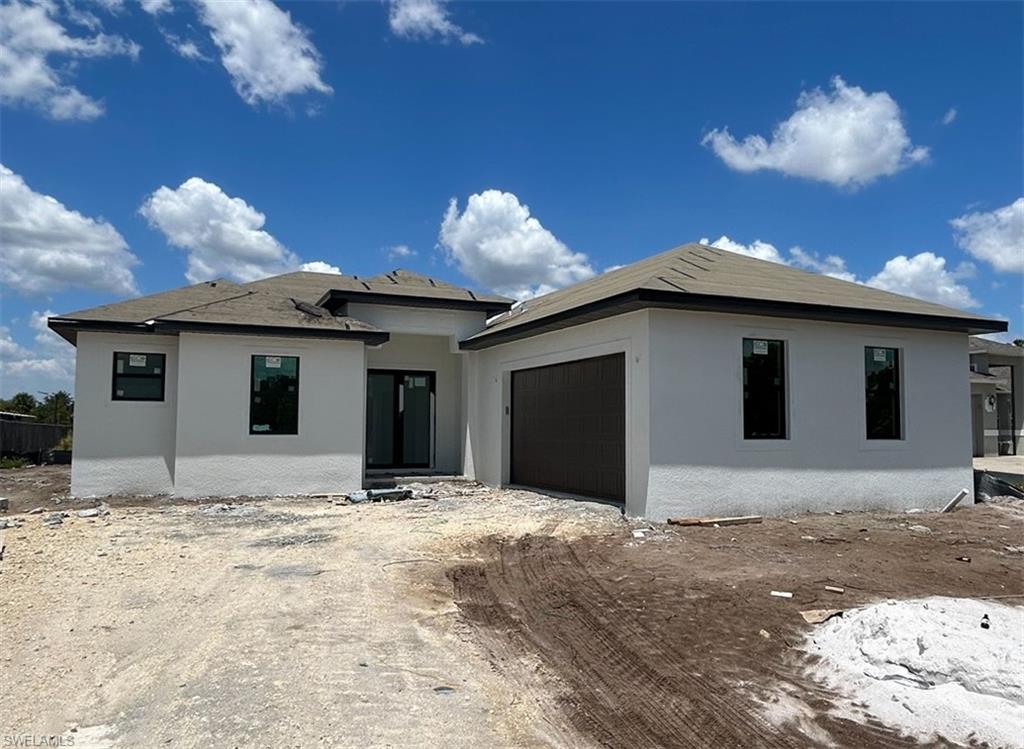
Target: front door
{"type": "Point", "coordinates": [399, 419]}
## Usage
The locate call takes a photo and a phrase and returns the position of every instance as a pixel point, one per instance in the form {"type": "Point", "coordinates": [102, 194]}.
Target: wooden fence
{"type": "Point", "coordinates": [29, 438]}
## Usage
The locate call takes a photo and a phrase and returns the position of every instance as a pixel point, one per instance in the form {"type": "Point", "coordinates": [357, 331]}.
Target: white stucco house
{"type": "Point", "coordinates": [694, 382]}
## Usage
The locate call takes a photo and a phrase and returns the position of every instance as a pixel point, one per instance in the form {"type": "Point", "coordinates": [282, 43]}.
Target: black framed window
{"type": "Point", "coordinates": [883, 393]}
{"type": "Point", "coordinates": [274, 395]}
{"type": "Point", "coordinates": [764, 389]}
{"type": "Point", "coordinates": [138, 377]}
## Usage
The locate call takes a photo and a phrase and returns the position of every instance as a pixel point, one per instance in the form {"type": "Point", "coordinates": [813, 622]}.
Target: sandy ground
{"type": "Point", "coordinates": [470, 618]}
{"type": "Point", "coordinates": [281, 623]}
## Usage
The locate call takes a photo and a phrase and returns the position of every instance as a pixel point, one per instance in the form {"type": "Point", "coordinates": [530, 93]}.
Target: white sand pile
{"type": "Point", "coordinates": [927, 667]}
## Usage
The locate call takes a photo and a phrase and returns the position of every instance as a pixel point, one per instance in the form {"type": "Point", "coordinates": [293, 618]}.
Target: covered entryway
{"type": "Point", "coordinates": [399, 419]}
{"type": "Point", "coordinates": [569, 427]}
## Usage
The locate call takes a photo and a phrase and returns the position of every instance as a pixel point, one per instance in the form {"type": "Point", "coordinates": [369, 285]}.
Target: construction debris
{"type": "Point", "coordinates": [817, 616]}
{"type": "Point", "coordinates": [713, 522]}
{"type": "Point", "coordinates": [94, 512]}
{"type": "Point", "coordinates": [835, 589]}
{"type": "Point", "coordinates": [379, 495]}
{"type": "Point", "coordinates": [955, 501]}
{"type": "Point", "coordinates": [782, 594]}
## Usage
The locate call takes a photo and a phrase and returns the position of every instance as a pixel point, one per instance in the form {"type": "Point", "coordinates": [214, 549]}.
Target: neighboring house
{"type": "Point", "coordinates": [997, 397]}
{"type": "Point", "coordinates": [696, 381]}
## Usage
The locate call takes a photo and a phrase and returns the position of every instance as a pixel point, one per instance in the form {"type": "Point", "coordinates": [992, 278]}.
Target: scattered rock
{"type": "Point", "coordinates": [225, 509]}
{"type": "Point", "coordinates": [93, 512]}
{"type": "Point", "coordinates": [4, 504]}
{"type": "Point", "coordinates": [919, 528]}
{"type": "Point", "coordinates": [35, 511]}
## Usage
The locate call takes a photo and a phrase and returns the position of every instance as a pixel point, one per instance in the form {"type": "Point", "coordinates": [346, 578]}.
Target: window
{"type": "Point", "coordinates": [138, 377]}
{"type": "Point", "coordinates": [274, 395]}
{"type": "Point", "coordinates": [882, 393]}
{"type": "Point", "coordinates": [764, 389]}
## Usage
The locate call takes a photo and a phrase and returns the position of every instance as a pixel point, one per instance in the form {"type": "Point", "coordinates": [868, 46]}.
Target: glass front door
{"type": "Point", "coordinates": [399, 419]}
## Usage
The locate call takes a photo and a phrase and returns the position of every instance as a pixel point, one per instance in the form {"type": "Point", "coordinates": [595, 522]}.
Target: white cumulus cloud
{"type": "Point", "coordinates": [923, 276]}
{"type": "Point", "coordinates": [399, 252]}
{"type": "Point", "coordinates": [757, 248]}
{"type": "Point", "coordinates": [46, 247]}
{"type": "Point", "coordinates": [830, 265]}
{"type": "Point", "coordinates": [222, 235]}
{"type": "Point", "coordinates": [497, 243]}
{"type": "Point", "coordinates": [996, 237]}
{"type": "Point", "coordinates": [950, 116]}
{"type": "Point", "coordinates": [846, 137]}
{"type": "Point", "coordinates": [49, 365]}
{"type": "Point", "coordinates": [319, 266]}
{"type": "Point", "coordinates": [425, 19]}
{"type": "Point", "coordinates": [38, 55]}
{"type": "Point", "coordinates": [267, 55]}
{"type": "Point", "coordinates": [156, 7]}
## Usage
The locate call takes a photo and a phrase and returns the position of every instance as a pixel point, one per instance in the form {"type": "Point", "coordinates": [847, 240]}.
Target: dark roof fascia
{"type": "Point", "coordinates": [335, 298]}
{"type": "Point", "coordinates": [653, 298]}
{"type": "Point", "coordinates": [608, 307]}
{"type": "Point", "coordinates": [820, 312]}
{"type": "Point", "coordinates": [68, 329]}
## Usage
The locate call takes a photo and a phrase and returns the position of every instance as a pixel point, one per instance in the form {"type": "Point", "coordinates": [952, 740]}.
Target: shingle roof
{"type": "Point", "coordinates": [985, 346]}
{"type": "Point", "coordinates": [287, 304]}
{"type": "Point", "coordinates": [315, 287]}
{"type": "Point", "coordinates": [695, 276]}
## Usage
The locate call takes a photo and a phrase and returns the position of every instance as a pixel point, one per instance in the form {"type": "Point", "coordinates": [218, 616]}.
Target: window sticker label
{"type": "Point", "coordinates": [120, 366]}
{"type": "Point", "coordinates": [880, 355]}
{"type": "Point", "coordinates": [120, 393]}
{"type": "Point", "coordinates": [761, 348]}
{"type": "Point", "coordinates": [136, 360]}
{"type": "Point", "coordinates": [273, 362]}
{"type": "Point", "coordinates": [261, 427]}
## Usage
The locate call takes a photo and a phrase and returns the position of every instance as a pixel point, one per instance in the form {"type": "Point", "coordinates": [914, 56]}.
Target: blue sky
{"type": "Point", "coordinates": [183, 141]}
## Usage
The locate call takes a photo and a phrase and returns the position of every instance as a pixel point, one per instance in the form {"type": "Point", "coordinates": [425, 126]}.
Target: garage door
{"type": "Point", "coordinates": [569, 427]}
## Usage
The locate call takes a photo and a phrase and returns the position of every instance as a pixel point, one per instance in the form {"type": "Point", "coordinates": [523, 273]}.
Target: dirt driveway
{"type": "Point", "coordinates": [468, 618]}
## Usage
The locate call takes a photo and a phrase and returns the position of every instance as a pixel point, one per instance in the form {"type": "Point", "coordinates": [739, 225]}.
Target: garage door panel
{"type": "Point", "coordinates": [568, 427]}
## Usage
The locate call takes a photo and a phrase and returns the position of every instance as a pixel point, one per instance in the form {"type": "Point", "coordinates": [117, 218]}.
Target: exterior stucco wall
{"type": "Point", "coordinates": [216, 455]}
{"type": "Point", "coordinates": [455, 325]}
{"type": "Point", "coordinates": [122, 447]}
{"type": "Point", "coordinates": [701, 465]}
{"type": "Point", "coordinates": [431, 353]}
{"type": "Point", "coordinates": [489, 390]}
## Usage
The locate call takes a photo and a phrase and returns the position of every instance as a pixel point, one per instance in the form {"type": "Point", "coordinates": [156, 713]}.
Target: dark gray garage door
{"type": "Point", "coordinates": [569, 427]}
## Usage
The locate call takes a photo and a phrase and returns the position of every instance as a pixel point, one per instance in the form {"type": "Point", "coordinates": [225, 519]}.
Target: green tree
{"type": "Point", "coordinates": [56, 408]}
{"type": "Point", "coordinates": [20, 403]}
{"type": "Point", "coordinates": [1018, 342]}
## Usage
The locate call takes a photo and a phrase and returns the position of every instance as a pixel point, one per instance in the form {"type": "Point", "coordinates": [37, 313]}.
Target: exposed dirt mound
{"type": "Point", "coordinates": [675, 641]}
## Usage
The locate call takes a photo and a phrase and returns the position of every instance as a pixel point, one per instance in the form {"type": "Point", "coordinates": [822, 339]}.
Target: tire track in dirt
{"type": "Point", "coordinates": [625, 684]}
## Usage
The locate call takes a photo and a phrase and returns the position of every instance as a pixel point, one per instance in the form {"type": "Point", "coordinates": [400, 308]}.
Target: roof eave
{"type": "Point", "coordinates": [656, 299]}
{"type": "Point", "coordinates": [69, 329]}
